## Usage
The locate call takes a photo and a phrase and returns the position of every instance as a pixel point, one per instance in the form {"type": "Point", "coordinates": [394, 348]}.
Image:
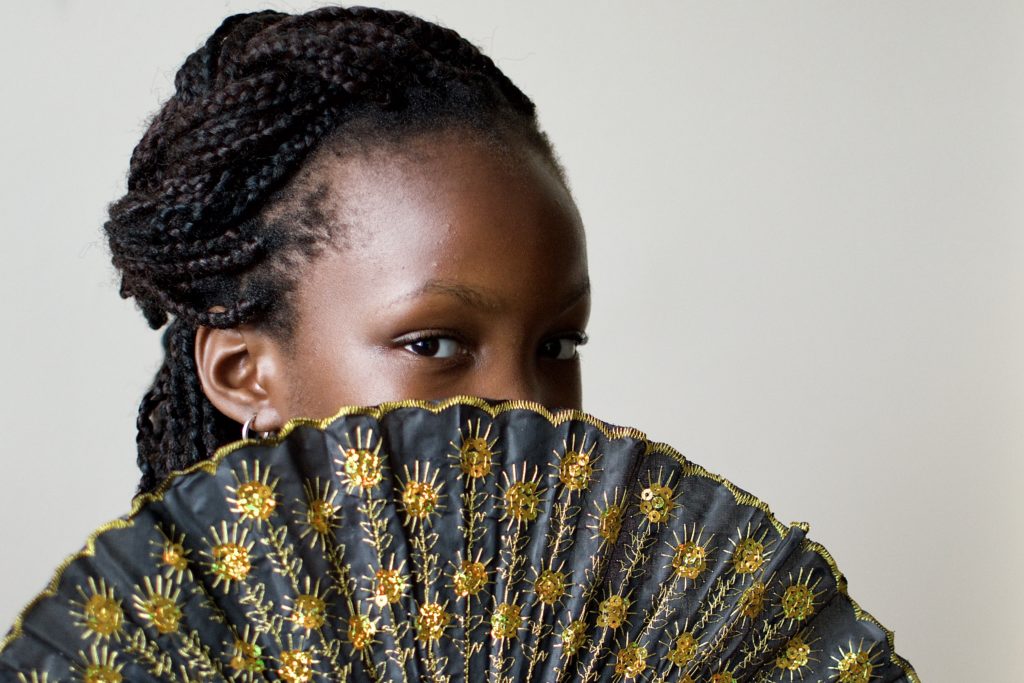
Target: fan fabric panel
{"type": "Point", "coordinates": [459, 541]}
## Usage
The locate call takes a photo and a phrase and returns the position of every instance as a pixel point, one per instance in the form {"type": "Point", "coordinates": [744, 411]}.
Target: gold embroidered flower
{"type": "Point", "coordinates": [309, 611]}
{"type": "Point", "coordinates": [748, 556]}
{"type": "Point", "coordinates": [575, 469]}
{"type": "Point", "coordinates": [431, 621]}
{"type": "Point", "coordinates": [247, 656]}
{"type": "Point", "coordinates": [609, 522]}
{"type": "Point", "coordinates": [255, 501]}
{"type": "Point", "coordinates": [296, 666]}
{"type": "Point", "coordinates": [690, 560]}
{"type": "Point", "coordinates": [631, 661]}
{"type": "Point", "coordinates": [752, 600]}
{"type": "Point", "coordinates": [796, 654]}
{"type": "Point", "coordinates": [613, 611]}
{"type": "Point", "coordinates": [855, 667]}
{"type": "Point", "coordinates": [470, 578]}
{"type": "Point", "coordinates": [320, 512]}
{"type": "Point", "coordinates": [549, 586]}
{"type": "Point", "coordinates": [522, 500]}
{"type": "Point", "coordinates": [231, 561]}
{"type": "Point", "coordinates": [723, 677]}
{"type": "Point", "coordinates": [320, 515]}
{"type": "Point", "coordinates": [99, 613]}
{"type": "Point", "coordinates": [228, 554]}
{"type": "Point", "coordinates": [421, 495]}
{"type": "Point", "coordinates": [476, 457]}
{"type": "Point", "coordinates": [656, 503]}
{"type": "Point", "coordinates": [573, 637]}
{"type": "Point", "coordinates": [505, 620]}
{"type": "Point", "coordinates": [798, 602]}
{"type": "Point", "coordinates": [684, 649]}
{"type": "Point", "coordinates": [103, 615]}
{"type": "Point", "coordinates": [362, 467]}
{"type": "Point", "coordinates": [174, 556]}
{"type": "Point", "coordinates": [254, 496]}
{"type": "Point", "coordinates": [361, 630]}
{"type": "Point", "coordinates": [157, 603]}
{"type": "Point", "coordinates": [100, 666]}
{"type": "Point", "coordinates": [390, 586]}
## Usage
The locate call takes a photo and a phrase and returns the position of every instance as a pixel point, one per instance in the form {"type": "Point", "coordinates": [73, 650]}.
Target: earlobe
{"type": "Point", "coordinates": [236, 369]}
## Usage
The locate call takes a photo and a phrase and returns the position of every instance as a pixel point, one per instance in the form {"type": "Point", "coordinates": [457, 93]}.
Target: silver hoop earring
{"type": "Point", "coordinates": [248, 424]}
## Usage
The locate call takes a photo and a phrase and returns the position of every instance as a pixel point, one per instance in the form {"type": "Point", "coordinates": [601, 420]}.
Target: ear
{"type": "Point", "coordinates": [239, 370]}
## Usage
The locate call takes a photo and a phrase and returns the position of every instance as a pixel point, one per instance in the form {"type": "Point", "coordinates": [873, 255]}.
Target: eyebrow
{"type": "Point", "coordinates": [478, 299]}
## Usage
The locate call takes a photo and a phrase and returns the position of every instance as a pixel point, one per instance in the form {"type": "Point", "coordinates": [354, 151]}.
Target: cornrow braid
{"type": "Point", "coordinates": [191, 237]}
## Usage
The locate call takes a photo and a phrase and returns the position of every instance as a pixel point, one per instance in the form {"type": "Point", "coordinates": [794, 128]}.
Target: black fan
{"type": "Point", "coordinates": [458, 541]}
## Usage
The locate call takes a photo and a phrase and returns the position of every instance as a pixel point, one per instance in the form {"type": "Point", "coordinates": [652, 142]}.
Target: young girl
{"type": "Point", "coordinates": [344, 207]}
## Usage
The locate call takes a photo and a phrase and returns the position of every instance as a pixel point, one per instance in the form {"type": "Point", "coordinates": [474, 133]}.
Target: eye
{"type": "Point", "coordinates": [434, 347]}
{"type": "Point", "coordinates": [563, 348]}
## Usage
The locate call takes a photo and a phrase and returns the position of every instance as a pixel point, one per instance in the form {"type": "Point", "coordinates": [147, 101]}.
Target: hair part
{"type": "Point", "coordinates": [196, 238]}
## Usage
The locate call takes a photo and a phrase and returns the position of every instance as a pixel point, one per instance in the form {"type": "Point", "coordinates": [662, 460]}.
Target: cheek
{"type": "Point", "coordinates": [346, 372]}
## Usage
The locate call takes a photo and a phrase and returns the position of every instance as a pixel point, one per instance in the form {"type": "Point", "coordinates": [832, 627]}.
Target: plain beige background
{"type": "Point", "coordinates": [807, 243]}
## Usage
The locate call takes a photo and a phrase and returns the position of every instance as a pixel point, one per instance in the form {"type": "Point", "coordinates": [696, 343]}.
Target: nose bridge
{"type": "Point", "coordinates": [509, 374]}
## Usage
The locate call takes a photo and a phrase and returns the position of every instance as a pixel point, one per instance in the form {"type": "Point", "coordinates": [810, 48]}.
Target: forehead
{"type": "Point", "coordinates": [449, 207]}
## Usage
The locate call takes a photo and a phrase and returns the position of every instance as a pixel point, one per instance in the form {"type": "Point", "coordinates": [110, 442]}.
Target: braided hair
{"type": "Point", "coordinates": [192, 237]}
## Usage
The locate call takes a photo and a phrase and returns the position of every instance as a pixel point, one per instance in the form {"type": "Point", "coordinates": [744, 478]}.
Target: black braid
{"type": "Point", "coordinates": [250, 106]}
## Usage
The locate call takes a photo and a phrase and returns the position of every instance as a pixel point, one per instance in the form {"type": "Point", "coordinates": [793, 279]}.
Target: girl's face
{"type": "Point", "coordinates": [458, 268]}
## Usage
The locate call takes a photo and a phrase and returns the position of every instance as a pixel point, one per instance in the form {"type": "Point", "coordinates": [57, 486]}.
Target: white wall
{"type": "Point", "coordinates": [807, 245]}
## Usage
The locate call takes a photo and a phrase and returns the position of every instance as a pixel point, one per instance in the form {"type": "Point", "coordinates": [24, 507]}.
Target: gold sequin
{"type": "Point", "coordinates": [174, 556]}
{"type": "Point", "coordinates": [320, 516]}
{"type": "Point", "coordinates": [361, 461]}
{"type": "Point", "coordinates": [296, 666]}
{"type": "Point", "coordinates": [157, 603]}
{"type": "Point", "coordinates": [613, 611]}
{"type": "Point", "coordinates": [247, 657]}
{"type": "Point", "coordinates": [748, 556]}
{"type": "Point", "coordinates": [431, 621]}
{"type": "Point", "coordinates": [522, 501]}
{"type": "Point", "coordinates": [475, 457]}
{"type": "Point", "coordinates": [573, 637]}
{"type": "Point", "coordinates": [752, 600]}
{"type": "Point", "coordinates": [229, 554]}
{"type": "Point", "coordinates": [469, 579]}
{"type": "Point", "coordinates": [505, 620]}
{"type": "Point", "coordinates": [254, 497]}
{"type": "Point", "coordinates": [100, 666]}
{"type": "Point", "coordinates": [390, 586]}
{"type": "Point", "coordinates": [255, 500]}
{"type": "Point", "coordinates": [609, 522]}
{"type": "Point", "coordinates": [549, 586]}
{"type": "Point", "coordinates": [795, 655]}
{"type": "Point", "coordinates": [656, 502]}
{"type": "Point", "coordinates": [684, 649]}
{"type": "Point", "coordinates": [631, 661]}
{"type": "Point", "coordinates": [100, 613]}
{"type": "Point", "coordinates": [103, 615]}
{"type": "Point", "coordinates": [855, 667]}
{"type": "Point", "coordinates": [361, 630]}
{"type": "Point", "coordinates": [421, 495]}
{"type": "Point", "coordinates": [309, 612]}
{"type": "Point", "coordinates": [362, 468]}
{"type": "Point", "coordinates": [576, 465]}
{"type": "Point", "coordinates": [798, 602]}
{"type": "Point", "coordinates": [690, 560]}
{"type": "Point", "coordinates": [231, 561]}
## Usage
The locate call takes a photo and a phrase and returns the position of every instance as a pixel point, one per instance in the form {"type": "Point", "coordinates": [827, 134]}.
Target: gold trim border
{"type": "Point", "coordinates": [556, 418]}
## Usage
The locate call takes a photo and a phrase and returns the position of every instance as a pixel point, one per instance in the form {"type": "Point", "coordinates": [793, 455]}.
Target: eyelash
{"type": "Point", "coordinates": [578, 339]}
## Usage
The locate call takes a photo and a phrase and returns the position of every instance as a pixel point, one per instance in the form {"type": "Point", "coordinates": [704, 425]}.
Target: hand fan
{"type": "Point", "coordinates": [452, 541]}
